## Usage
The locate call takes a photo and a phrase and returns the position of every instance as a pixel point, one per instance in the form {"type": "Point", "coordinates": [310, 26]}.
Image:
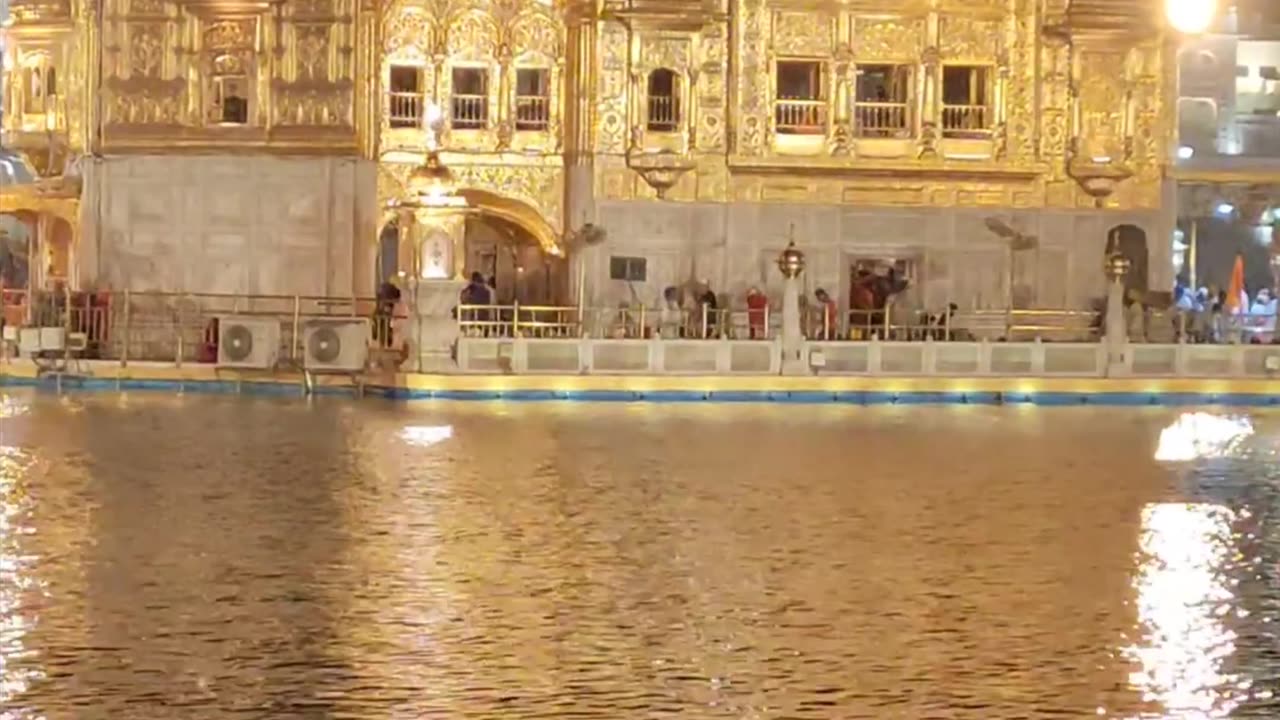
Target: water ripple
{"type": "Point", "coordinates": [209, 558]}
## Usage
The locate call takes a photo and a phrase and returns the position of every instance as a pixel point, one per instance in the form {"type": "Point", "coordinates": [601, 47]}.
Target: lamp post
{"type": "Point", "coordinates": [1117, 266]}
{"type": "Point", "coordinates": [791, 264]}
{"type": "Point", "coordinates": [434, 214]}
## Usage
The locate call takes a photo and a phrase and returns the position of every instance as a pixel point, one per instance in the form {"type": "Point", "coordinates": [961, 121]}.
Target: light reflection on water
{"type": "Point", "coordinates": [212, 557]}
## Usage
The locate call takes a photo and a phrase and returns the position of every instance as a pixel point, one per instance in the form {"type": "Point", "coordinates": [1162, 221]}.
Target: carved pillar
{"type": "Point", "coordinates": [579, 94]}
{"type": "Point", "coordinates": [90, 103]}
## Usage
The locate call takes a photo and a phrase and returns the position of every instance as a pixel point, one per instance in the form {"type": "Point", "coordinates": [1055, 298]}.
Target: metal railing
{"type": "Point", "coordinates": [663, 113]}
{"type": "Point", "coordinates": [178, 327]}
{"type": "Point", "coordinates": [881, 119]}
{"type": "Point", "coordinates": [532, 112]}
{"type": "Point", "coordinates": [509, 321]}
{"type": "Point", "coordinates": [966, 120]}
{"type": "Point", "coordinates": [469, 112]}
{"type": "Point", "coordinates": [889, 324]}
{"type": "Point", "coordinates": [405, 109]}
{"type": "Point", "coordinates": [800, 117]}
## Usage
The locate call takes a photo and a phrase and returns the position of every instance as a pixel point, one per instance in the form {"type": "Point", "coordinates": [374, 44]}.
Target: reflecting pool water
{"type": "Point", "coordinates": [215, 557]}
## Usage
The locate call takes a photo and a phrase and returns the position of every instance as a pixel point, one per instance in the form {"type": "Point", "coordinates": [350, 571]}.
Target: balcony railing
{"type": "Point", "coordinates": [881, 119]}
{"type": "Point", "coordinates": [404, 109]}
{"type": "Point", "coordinates": [966, 120]}
{"type": "Point", "coordinates": [532, 112]}
{"type": "Point", "coordinates": [470, 112]}
{"type": "Point", "coordinates": [801, 117]}
{"type": "Point", "coordinates": [662, 113]}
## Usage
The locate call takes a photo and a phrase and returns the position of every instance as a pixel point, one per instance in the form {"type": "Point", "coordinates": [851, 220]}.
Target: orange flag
{"type": "Point", "coordinates": [1236, 288]}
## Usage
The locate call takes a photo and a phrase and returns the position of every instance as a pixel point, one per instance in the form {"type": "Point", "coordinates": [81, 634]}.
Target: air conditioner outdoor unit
{"type": "Point", "coordinates": [336, 345]}
{"type": "Point", "coordinates": [37, 340]}
{"type": "Point", "coordinates": [248, 342]}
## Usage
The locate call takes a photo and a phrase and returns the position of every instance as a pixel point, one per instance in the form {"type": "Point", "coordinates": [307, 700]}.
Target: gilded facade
{"type": "Point", "coordinates": [259, 146]}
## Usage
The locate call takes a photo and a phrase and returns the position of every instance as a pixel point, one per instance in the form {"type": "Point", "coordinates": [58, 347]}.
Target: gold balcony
{"type": "Point", "coordinates": [966, 121]}
{"type": "Point", "coordinates": [405, 109]}
{"type": "Point", "coordinates": [882, 119]}
{"type": "Point", "coordinates": [801, 117]}
{"type": "Point", "coordinates": [469, 112]}
{"type": "Point", "coordinates": [533, 113]}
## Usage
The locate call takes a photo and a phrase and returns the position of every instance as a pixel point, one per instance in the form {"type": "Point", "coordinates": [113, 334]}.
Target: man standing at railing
{"type": "Point", "coordinates": [827, 305]}
{"type": "Point", "coordinates": [757, 313]}
{"type": "Point", "coordinates": [383, 312]}
{"type": "Point", "coordinates": [710, 315]}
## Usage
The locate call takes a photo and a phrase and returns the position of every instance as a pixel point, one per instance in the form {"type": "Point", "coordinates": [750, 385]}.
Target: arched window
{"type": "Point", "coordinates": [664, 101]}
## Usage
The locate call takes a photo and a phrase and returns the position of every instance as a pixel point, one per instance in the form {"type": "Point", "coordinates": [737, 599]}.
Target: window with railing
{"type": "Point", "coordinates": [533, 98]}
{"type": "Point", "coordinates": [966, 101]}
{"type": "Point", "coordinates": [404, 97]}
{"type": "Point", "coordinates": [469, 104]}
{"type": "Point", "coordinates": [664, 101]}
{"type": "Point", "coordinates": [882, 103]}
{"type": "Point", "coordinates": [800, 107]}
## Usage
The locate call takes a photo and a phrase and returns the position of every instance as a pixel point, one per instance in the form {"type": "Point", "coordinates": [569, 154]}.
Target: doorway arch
{"type": "Point", "coordinates": [517, 265]}
{"type": "Point", "coordinates": [1131, 242]}
{"type": "Point", "coordinates": [17, 236]}
{"type": "Point", "coordinates": [387, 267]}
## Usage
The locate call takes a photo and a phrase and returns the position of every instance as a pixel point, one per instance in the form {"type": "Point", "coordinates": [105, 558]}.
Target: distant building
{"type": "Point", "coordinates": [1228, 156]}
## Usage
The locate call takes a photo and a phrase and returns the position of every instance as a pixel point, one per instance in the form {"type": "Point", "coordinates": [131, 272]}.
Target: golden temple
{"type": "Point", "coordinates": [989, 149]}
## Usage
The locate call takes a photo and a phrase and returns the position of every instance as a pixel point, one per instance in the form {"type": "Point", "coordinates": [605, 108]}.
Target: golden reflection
{"type": "Point", "coordinates": [1183, 596]}
{"type": "Point", "coordinates": [11, 406]}
{"type": "Point", "coordinates": [426, 435]}
{"type": "Point", "coordinates": [14, 582]}
{"type": "Point", "coordinates": [1202, 435]}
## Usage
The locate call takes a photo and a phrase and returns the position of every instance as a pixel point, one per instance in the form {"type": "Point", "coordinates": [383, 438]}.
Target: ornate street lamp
{"type": "Point", "coordinates": [791, 261]}
{"type": "Point", "coordinates": [433, 201]}
{"type": "Point", "coordinates": [1117, 266]}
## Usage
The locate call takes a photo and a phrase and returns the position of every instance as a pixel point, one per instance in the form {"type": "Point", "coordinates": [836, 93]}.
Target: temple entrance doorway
{"type": "Point", "coordinates": [387, 266]}
{"type": "Point", "coordinates": [17, 236]}
{"type": "Point", "coordinates": [35, 250]}
{"type": "Point", "coordinates": [512, 261]}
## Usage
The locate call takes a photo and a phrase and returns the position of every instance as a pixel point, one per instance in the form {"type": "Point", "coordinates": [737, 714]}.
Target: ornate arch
{"type": "Point", "coordinates": [518, 211]}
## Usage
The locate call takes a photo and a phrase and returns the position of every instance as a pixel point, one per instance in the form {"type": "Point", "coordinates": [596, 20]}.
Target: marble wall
{"type": "Point", "coordinates": [959, 259]}
{"type": "Point", "coordinates": [230, 224]}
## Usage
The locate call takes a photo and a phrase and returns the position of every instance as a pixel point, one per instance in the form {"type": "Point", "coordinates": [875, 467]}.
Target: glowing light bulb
{"type": "Point", "coordinates": [1190, 16]}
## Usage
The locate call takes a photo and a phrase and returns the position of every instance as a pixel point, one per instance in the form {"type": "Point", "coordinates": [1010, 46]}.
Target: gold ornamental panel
{"type": "Point", "coordinates": [197, 75]}
{"type": "Point", "coordinates": [803, 34]}
{"type": "Point", "coordinates": [963, 38]}
{"type": "Point", "coordinates": [888, 39]}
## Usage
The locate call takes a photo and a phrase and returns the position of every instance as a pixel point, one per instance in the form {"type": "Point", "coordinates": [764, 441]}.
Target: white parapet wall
{"type": "Point", "coordinates": [887, 359]}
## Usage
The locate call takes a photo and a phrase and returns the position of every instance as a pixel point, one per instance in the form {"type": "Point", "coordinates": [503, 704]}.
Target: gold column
{"type": "Point", "coordinates": [578, 90]}
{"type": "Point", "coordinates": [931, 68]}
{"type": "Point", "coordinates": [91, 100]}
{"type": "Point", "coordinates": [368, 72]}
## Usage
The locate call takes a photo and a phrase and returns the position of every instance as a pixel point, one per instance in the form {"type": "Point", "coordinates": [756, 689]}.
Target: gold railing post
{"type": "Point", "coordinates": [177, 323]}
{"type": "Point", "coordinates": [124, 345]}
{"type": "Point", "coordinates": [641, 331]}
{"type": "Point", "coordinates": [297, 315]}
{"type": "Point", "coordinates": [515, 319]}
